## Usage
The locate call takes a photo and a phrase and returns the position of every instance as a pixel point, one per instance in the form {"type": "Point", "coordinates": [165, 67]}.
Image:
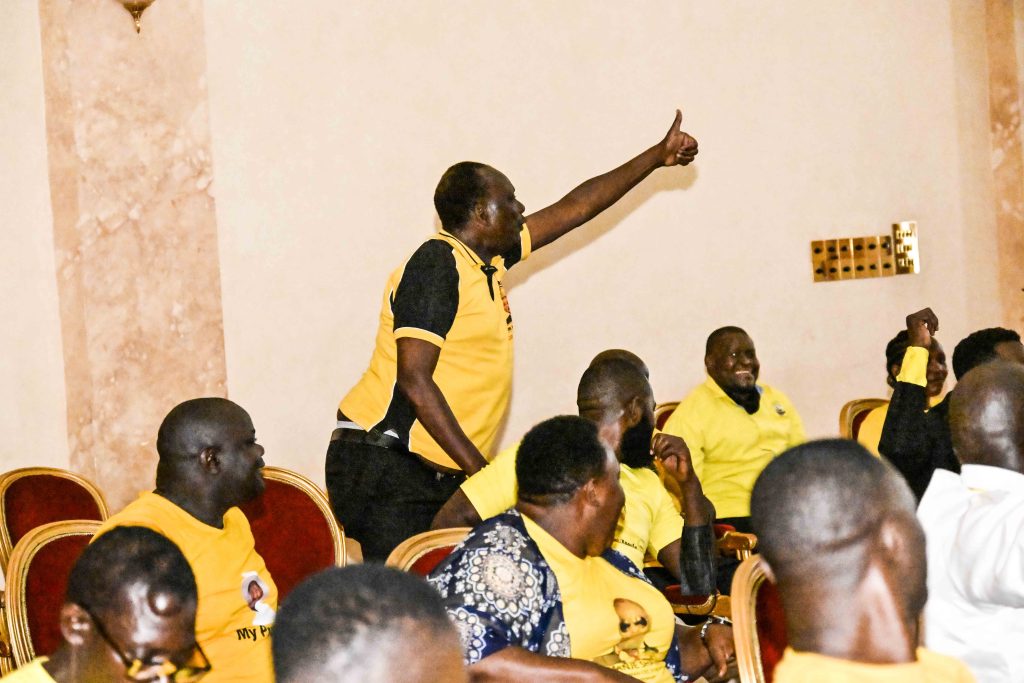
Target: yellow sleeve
{"type": "Point", "coordinates": [915, 366]}
{"type": "Point", "coordinates": [797, 435]}
{"type": "Point", "coordinates": [417, 333]}
{"type": "Point", "coordinates": [494, 489]}
{"type": "Point", "coordinates": [680, 425]}
{"type": "Point", "coordinates": [667, 525]}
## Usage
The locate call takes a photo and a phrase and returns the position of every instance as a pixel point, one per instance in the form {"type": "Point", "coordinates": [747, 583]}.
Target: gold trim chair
{"type": "Point", "coordinates": [853, 412]}
{"type": "Point", "coordinates": [278, 523]}
{"type": "Point", "coordinates": [16, 609]}
{"type": "Point", "coordinates": [663, 411]}
{"type": "Point", "coordinates": [748, 580]}
{"type": "Point", "coordinates": [8, 479]}
{"type": "Point", "coordinates": [415, 548]}
{"type": "Point", "coordinates": [319, 497]}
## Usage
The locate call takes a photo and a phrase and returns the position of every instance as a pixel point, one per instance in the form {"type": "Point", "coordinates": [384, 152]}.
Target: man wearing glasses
{"type": "Point", "coordinates": [129, 615]}
{"type": "Point", "coordinates": [209, 464]}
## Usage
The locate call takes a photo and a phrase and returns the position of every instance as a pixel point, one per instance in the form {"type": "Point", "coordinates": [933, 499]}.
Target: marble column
{"type": "Point", "coordinates": [134, 228]}
{"type": "Point", "coordinates": [1007, 161]}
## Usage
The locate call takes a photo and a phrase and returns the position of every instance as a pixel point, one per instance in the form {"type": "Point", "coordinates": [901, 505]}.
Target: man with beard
{"type": "Point", "coordinates": [615, 395]}
{"type": "Point", "coordinates": [209, 464]}
{"type": "Point", "coordinates": [734, 426]}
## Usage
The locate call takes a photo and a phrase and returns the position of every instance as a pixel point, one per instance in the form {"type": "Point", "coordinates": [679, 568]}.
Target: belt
{"type": "Point", "coordinates": [375, 437]}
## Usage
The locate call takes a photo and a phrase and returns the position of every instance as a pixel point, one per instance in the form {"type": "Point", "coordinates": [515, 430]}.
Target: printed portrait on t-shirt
{"type": "Point", "coordinates": [254, 592]}
{"type": "Point", "coordinates": [632, 653]}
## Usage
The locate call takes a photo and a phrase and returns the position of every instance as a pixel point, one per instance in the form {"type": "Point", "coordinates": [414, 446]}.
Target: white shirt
{"type": "Point", "coordinates": [974, 524]}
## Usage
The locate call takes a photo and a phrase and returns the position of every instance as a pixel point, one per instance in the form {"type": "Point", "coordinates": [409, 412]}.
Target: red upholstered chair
{"type": "Point", "coordinates": [759, 623]}
{"type": "Point", "coordinates": [853, 413]}
{"type": "Point", "coordinates": [422, 552]}
{"type": "Point", "coordinates": [295, 530]}
{"type": "Point", "coordinates": [662, 412]}
{"type": "Point", "coordinates": [37, 577]}
{"type": "Point", "coordinates": [33, 496]}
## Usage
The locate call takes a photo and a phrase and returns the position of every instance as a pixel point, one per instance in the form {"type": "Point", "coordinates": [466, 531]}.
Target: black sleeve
{"type": "Point", "coordinates": [907, 435]}
{"type": "Point", "coordinates": [427, 296]}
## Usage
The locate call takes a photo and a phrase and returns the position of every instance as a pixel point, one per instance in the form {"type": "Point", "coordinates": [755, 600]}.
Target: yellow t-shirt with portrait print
{"type": "Point", "coordinates": [810, 667]}
{"type": "Point", "coordinates": [649, 520]}
{"type": "Point", "coordinates": [33, 672]}
{"type": "Point", "coordinates": [237, 596]}
{"type": "Point", "coordinates": [613, 619]}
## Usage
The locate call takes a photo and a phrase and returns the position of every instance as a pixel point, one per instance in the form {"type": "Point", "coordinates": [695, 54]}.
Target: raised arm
{"type": "Point", "coordinates": [597, 194]}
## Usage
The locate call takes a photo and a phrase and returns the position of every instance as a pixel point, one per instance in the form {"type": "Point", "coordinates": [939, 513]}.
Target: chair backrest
{"type": "Point", "coordinates": [662, 412]}
{"type": "Point", "coordinates": [422, 552]}
{"type": "Point", "coordinates": [37, 577]}
{"type": "Point", "coordinates": [33, 496]}
{"type": "Point", "coordinates": [294, 528]}
{"type": "Point", "coordinates": [759, 624]}
{"type": "Point", "coordinates": [853, 413]}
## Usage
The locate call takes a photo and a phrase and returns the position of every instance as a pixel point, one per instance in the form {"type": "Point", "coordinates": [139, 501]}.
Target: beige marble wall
{"type": "Point", "coordinates": [1007, 161]}
{"type": "Point", "coordinates": [135, 235]}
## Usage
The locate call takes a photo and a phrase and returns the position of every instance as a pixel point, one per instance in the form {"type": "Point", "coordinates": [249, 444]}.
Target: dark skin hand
{"type": "Point", "coordinates": [921, 326]}
{"type": "Point", "coordinates": [517, 664]}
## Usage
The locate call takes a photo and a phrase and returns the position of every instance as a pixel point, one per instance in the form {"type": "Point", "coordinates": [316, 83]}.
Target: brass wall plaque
{"type": "Point", "coordinates": [853, 258]}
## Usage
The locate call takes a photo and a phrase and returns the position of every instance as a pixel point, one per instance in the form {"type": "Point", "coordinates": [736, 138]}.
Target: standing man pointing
{"type": "Point", "coordinates": [428, 408]}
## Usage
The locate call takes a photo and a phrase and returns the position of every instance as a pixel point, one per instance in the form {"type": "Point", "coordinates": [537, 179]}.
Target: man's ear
{"type": "Point", "coordinates": [209, 459]}
{"type": "Point", "coordinates": [709, 362]}
{"type": "Point", "coordinates": [75, 624]}
{"type": "Point", "coordinates": [634, 411]}
{"type": "Point", "coordinates": [589, 495]}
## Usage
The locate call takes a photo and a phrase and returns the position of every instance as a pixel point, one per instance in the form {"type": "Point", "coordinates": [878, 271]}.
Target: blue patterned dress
{"type": "Point", "coordinates": [500, 592]}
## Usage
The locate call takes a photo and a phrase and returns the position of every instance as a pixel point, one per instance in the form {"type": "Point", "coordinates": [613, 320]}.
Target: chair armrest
{"type": "Point", "coordinates": [737, 543]}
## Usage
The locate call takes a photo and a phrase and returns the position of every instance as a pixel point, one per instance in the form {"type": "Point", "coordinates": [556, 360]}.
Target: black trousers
{"type": "Point", "coordinates": [383, 496]}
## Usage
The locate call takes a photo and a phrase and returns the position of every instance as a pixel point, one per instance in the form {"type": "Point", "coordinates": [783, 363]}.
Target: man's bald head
{"type": "Point", "coordinates": [986, 416]}
{"type": "Point", "coordinates": [194, 425]}
{"type": "Point", "coordinates": [623, 355]}
{"type": "Point", "coordinates": [819, 511]}
{"type": "Point", "coordinates": [608, 386]}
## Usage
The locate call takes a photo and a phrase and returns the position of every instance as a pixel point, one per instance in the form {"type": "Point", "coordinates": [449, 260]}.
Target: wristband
{"type": "Point", "coordinates": [713, 619]}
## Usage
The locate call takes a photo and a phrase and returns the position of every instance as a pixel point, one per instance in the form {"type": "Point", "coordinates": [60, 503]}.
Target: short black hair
{"type": "Point", "coordinates": [458, 192]}
{"type": "Point", "coordinates": [819, 499]}
{"type": "Point", "coordinates": [895, 350]}
{"type": "Point", "coordinates": [192, 425]}
{"type": "Point", "coordinates": [979, 347]}
{"type": "Point", "coordinates": [127, 556]}
{"type": "Point", "coordinates": [610, 383]}
{"type": "Point", "coordinates": [718, 334]}
{"type": "Point", "coordinates": [557, 457]}
{"type": "Point", "coordinates": [622, 354]}
{"type": "Point", "coordinates": [345, 618]}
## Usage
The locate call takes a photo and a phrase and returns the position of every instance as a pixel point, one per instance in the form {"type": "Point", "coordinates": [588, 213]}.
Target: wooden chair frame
{"type": "Point", "coordinates": [16, 608]}
{"type": "Point", "coordinates": [8, 478]}
{"type": "Point", "coordinates": [854, 408]}
{"type": "Point", "coordinates": [745, 583]}
{"type": "Point", "coordinates": [405, 555]}
{"type": "Point", "coordinates": [318, 496]}
{"type": "Point", "coordinates": [665, 409]}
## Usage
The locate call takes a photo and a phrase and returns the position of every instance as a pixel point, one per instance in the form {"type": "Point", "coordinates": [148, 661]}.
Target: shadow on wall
{"type": "Point", "coordinates": [662, 180]}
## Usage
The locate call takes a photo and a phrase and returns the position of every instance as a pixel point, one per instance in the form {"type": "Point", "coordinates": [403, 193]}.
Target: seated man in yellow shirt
{"type": "Point", "coordinates": [537, 594]}
{"type": "Point", "coordinates": [129, 613]}
{"type": "Point", "coordinates": [614, 394]}
{"type": "Point", "coordinates": [733, 426]}
{"type": "Point", "coordinates": [837, 529]}
{"type": "Point", "coordinates": [209, 464]}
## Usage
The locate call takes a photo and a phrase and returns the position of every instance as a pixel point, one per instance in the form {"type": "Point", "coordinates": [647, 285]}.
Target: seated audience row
{"type": "Point", "coordinates": [615, 394]}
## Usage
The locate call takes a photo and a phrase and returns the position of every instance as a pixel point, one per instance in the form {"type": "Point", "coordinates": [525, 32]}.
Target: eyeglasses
{"type": "Point", "coordinates": [146, 672]}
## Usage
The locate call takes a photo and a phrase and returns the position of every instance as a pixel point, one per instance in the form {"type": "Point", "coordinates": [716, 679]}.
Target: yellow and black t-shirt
{"type": "Point", "coordinates": [447, 296]}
